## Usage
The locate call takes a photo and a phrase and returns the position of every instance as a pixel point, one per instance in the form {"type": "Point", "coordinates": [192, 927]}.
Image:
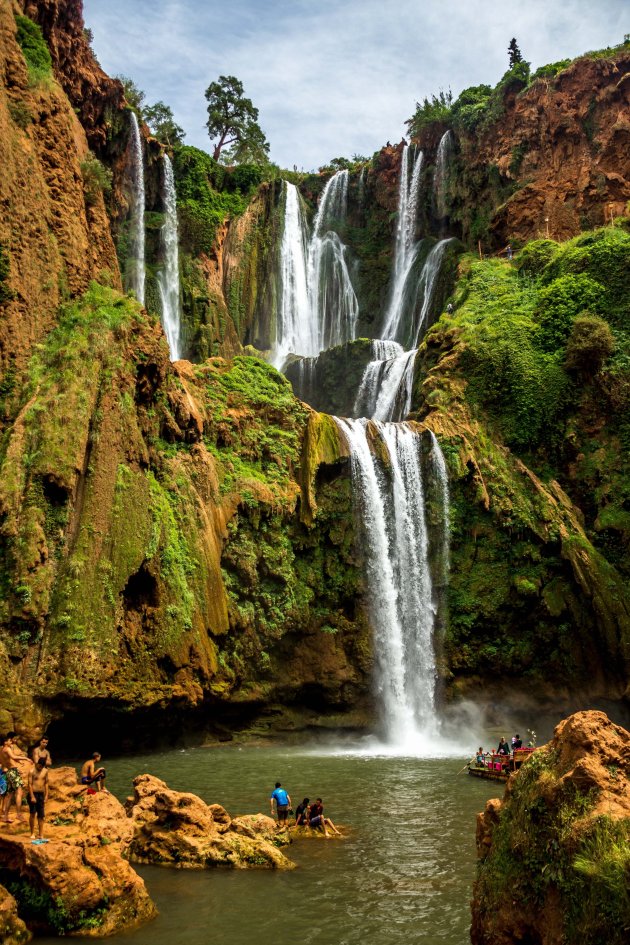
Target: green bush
{"type": "Point", "coordinates": [590, 344]}
{"type": "Point", "coordinates": [535, 256]}
{"type": "Point", "coordinates": [560, 303]}
{"type": "Point", "coordinates": [551, 70]}
{"type": "Point", "coordinates": [35, 49]}
{"type": "Point", "coordinates": [436, 108]}
{"type": "Point", "coordinates": [470, 107]}
{"type": "Point", "coordinates": [97, 179]}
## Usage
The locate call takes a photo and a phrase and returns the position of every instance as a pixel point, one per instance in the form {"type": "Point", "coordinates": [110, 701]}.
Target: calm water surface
{"type": "Point", "coordinates": [403, 875]}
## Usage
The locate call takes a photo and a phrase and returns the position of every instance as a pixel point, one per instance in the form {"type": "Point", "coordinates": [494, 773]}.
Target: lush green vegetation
{"type": "Point", "coordinates": [35, 49]}
{"type": "Point", "coordinates": [97, 179]}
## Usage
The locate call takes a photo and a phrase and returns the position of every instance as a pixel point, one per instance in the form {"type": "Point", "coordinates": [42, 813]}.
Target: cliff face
{"type": "Point", "coordinates": [54, 231]}
{"type": "Point", "coordinates": [550, 160]}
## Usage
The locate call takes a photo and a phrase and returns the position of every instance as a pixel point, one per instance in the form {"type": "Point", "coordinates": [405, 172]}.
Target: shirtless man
{"type": "Point", "coordinates": [37, 796]}
{"type": "Point", "coordinates": [91, 775]}
{"type": "Point", "coordinates": [16, 765]}
{"type": "Point", "coordinates": [41, 751]}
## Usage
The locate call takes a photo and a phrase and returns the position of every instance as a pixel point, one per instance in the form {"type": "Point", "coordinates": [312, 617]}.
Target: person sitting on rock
{"type": "Point", "coordinates": [37, 786]}
{"type": "Point", "coordinates": [301, 814]}
{"type": "Point", "coordinates": [317, 819]}
{"type": "Point", "coordinates": [41, 751]}
{"type": "Point", "coordinates": [91, 775]}
{"type": "Point", "coordinates": [283, 803]}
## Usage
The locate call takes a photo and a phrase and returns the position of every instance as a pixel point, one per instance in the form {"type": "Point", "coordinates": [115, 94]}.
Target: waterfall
{"type": "Point", "coordinates": [405, 248]}
{"type": "Point", "coordinates": [318, 307]}
{"type": "Point", "coordinates": [136, 229]}
{"type": "Point", "coordinates": [440, 476]}
{"type": "Point", "coordinates": [390, 510]}
{"type": "Point", "coordinates": [427, 286]}
{"type": "Point", "coordinates": [295, 332]}
{"type": "Point", "coordinates": [439, 179]}
{"type": "Point", "coordinates": [385, 390]}
{"type": "Point", "coordinates": [334, 305]}
{"type": "Point", "coordinates": [168, 278]}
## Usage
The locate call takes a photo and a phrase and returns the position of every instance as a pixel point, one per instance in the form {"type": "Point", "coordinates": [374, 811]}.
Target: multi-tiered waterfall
{"type": "Point", "coordinates": [405, 557]}
{"type": "Point", "coordinates": [317, 304]}
{"type": "Point", "coordinates": [168, 277]}
{"type": "Point", "coordinates": [135, 165]}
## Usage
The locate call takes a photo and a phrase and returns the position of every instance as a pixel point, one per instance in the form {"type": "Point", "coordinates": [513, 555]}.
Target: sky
{"type": "Point", "coordinates": [335, 77]}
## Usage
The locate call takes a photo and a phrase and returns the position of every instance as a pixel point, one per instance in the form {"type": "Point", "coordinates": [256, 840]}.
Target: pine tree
{"type": "Point", "coordinates": [514, 53]}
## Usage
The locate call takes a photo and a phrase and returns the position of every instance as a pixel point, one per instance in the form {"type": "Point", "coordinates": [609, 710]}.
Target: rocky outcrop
{"type": "Point", "coordinates": [13, 931]}
{"type": "Point", "coordinates": [54, 231]}
{"type": "Point", "coordinates": [555, 853]}
{"type": "Point", "coordinates": [178, 829]}
{"type": "Point", "coordinates": [78, 883]}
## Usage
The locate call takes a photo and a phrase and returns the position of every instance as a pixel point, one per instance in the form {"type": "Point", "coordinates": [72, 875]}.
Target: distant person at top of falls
{"type": "Point", "coordinates": [283, 803]}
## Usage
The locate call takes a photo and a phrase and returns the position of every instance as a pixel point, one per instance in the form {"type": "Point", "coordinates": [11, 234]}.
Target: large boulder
{"type": "Point", "coordinates": [178, 829]}
{"type": "Point", "coordinates": [78, 883]}
{"type": "Point", "coordinates": [554, 854]}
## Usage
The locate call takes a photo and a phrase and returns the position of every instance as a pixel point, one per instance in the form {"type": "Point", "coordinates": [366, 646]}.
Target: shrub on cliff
{"type": "Point", "coordinates": [35, 49]}
{"type": "Point", "coordinates": [560, 303]}
{"type": "Point", "coordinates": [590, 344]}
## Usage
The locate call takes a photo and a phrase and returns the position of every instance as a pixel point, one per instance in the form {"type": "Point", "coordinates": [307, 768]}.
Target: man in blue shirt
{"type": "Point", "coordinates": [283, 803]}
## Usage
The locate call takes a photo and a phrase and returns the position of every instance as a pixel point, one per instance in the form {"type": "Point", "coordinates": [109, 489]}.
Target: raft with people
{"type": "Point", "coordinates": [500, 764]}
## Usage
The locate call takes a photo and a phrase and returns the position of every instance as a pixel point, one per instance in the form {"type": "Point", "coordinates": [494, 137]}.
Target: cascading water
{"type": "Point", "coordinates": [318, 307]}
{"type": "Point", "coordinates": [136, 228]}
{"type": "Point", "coordinates": [427, 286]}
{"type": "Point", "coordinates": [385, 390]}
{"type": "Point", "coordinates": [390, 506]}
{"type": "Point", "coordinates": [444, 150]}
{"type": "Point", "coordinates": [405, 248]}
{"type": "Point", "coordinates": [168, 278]}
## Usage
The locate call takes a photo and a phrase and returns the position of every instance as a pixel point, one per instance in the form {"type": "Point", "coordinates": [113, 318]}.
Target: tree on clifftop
{"type": "Point", "coordinates": [233, 120]}
{"type": "Point", "coordinates": [514, 53]}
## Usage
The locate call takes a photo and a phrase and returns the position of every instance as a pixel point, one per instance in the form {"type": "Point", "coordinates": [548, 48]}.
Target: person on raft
{"type": "Point", "coordinates": [504, 748]}
{"type": "Point", "coordinates": [91, 775]}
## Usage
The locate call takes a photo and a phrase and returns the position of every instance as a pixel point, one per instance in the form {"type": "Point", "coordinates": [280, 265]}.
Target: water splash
{"type": "Point", "coordinates": [405, 249]}
{"type": "Point", "coordinates": [168, 277]}
{"type": "Point", "coordinates": [390, 512]}
{"type": "Point", "coordinates": [444, 151]}
{"type": "Point", "coordinates": [135, 164]}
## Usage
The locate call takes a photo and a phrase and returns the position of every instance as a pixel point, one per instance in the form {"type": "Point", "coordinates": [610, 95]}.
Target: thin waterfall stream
{"type": "Point", "coordinates": [135, 160]}
{"type": "Point", "coordinates": [168, 277]}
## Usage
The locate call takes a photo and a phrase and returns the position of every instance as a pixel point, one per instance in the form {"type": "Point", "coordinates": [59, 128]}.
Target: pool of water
{"type": "Point", "coordinates": [403, 875]}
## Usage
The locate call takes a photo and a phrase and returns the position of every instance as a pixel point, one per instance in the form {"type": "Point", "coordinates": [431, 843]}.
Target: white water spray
{"type": "Point", "coordinates": [386, 385]}
{"type": "Point", "coordinates": [136, 228]}
{"type": "Point", "coordinates": [168, 278]}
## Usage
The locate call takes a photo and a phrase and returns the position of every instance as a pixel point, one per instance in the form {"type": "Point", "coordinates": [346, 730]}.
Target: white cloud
{"type": "Point", "coordinates": [336, 76]}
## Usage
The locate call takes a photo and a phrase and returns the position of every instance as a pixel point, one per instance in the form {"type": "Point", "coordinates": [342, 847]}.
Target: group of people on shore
{"type": "Point", "coordinates": [27, 773]}
{"type": "Point", "coordinates": [306, 814]}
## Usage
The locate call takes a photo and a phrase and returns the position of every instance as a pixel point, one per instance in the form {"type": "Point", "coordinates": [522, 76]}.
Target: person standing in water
{"type": "Point", "coordinates": [283, 803]}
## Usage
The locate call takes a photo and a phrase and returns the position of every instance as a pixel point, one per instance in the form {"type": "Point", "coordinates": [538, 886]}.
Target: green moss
{"type": "Point", "coordinates": [6, 293]}
{"type": "Point", "coordinates": [35, 49]}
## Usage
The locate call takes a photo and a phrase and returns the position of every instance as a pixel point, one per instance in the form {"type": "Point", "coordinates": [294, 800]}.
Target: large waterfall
{"type": "Point", "coordinates": [405, 248]}
{"type": "Point", "coordinates": [318, 308]}
{"type": "Point", "coordinates": [390, 508]}
{"type": "Point", "coordinates": [385, 391]}
{"type": "Point", "coordinates": [168, 277]}
{"type": "Point", "coordinates": [136, 228]}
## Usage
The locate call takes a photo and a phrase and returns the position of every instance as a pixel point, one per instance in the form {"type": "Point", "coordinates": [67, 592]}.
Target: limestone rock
{"type": "Point", "coordinates": [555, 853]}
{"type": "Point", "coordinates": [12, 929]}
{"type": "Point", "coordinates": [173, 828]}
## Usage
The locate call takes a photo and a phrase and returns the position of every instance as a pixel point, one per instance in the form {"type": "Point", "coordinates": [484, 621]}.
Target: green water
{"type": "Point", "coordinates": [403, 875]}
